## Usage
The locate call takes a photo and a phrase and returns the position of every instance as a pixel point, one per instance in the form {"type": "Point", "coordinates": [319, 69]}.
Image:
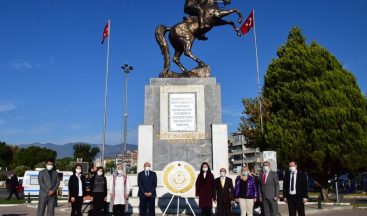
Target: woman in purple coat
{"type": "Point", "coordinates": [245, 191]}
{"type": "Point", "coordinates": [205, 189]}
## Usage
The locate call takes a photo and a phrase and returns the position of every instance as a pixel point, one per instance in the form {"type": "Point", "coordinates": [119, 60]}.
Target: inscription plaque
{"type": "Point", "coordinates": [182, 112]}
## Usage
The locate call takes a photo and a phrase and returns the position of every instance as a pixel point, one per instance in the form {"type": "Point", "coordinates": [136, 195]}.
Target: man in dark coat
{"type": "Point", "coordinates": [147, 182]}
{"type": "Point", "coordinates": [13, 183]}
{"type": "Point", "coordinates": [223, 193]}
{"type": "Point", "coordinates": [295, 190]}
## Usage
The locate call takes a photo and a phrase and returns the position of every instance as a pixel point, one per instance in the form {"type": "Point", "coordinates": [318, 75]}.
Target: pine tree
{"type": "Point", "coordinates": [318, 115]}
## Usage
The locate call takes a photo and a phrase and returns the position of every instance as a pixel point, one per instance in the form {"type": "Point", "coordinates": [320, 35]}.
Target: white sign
{"type": "Point", "coordinates": [182, 112]}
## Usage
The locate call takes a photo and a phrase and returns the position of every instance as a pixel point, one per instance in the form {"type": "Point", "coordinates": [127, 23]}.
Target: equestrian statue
{"type": "Point", "coordinates": [203, 16]}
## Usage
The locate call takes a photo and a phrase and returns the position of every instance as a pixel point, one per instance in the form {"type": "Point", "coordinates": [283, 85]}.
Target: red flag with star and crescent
{"type": "Point", "coordinates": [248, 24]}
{"type": "Point", "coordinates": [106, 32]}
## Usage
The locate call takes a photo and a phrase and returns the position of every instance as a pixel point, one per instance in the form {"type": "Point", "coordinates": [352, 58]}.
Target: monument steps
{"type": "Point", "coordinates": [162, 202]}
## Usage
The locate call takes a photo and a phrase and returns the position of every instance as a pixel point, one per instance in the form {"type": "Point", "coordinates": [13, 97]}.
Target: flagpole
{"type": "Point", "coordinates": [105, 94]}
{"type": "Point", "coordinates": [258, 75]}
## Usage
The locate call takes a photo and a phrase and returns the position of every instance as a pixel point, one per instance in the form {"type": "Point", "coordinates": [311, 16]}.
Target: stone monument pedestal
{"type": "Point", "coordinates": [182, 122]}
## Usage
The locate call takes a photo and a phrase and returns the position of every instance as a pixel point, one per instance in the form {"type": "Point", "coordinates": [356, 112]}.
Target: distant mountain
{"type": "Point", "coordinates": [66, 150]}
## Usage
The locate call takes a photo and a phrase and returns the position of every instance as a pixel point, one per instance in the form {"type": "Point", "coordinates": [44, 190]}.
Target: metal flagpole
{"type": "Point", "coordinates": [105, 94]}
{"type": "Point", "coordinates": [258, 76]}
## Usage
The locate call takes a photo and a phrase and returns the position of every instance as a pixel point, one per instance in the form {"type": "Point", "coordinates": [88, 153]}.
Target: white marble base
{"type": "Point", "coordinates": [145, 146]}
{"type": "Point", "coordinates": [220, 148]}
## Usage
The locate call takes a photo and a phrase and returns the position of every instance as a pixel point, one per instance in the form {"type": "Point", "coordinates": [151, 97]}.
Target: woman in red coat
{"type": "Point", "coordinates": [205, 189]}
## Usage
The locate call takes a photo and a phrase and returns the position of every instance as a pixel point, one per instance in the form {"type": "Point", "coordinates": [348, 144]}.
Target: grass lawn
{"type": "Point", "coordinates": [356, 205]}
{"type": "Point", "coordinates": [12, 201]}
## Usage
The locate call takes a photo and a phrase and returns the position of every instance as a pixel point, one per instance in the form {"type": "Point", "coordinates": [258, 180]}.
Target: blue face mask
{"type": "Point", "coordinates": [245, 173]}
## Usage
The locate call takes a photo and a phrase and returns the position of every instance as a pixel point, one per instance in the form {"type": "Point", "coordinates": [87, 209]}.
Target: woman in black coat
{"type": "Point", "coordinates": [98, 187]}
{"type": "Point", "coordinates": [76, 191]}
{"type": "Point", "coordinates": [205, 189]}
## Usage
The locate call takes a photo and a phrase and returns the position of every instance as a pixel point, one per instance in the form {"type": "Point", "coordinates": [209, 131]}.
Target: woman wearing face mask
{"type": "Point", "coordinates": [98, 187]}
{"type": "Point", "coordinates": [245, 191]}
{"type": "Point", "coordinates": [120, 191]}
{"type": "Point", "coordinates": [76, 190]}
{"type": "Point", "coordinates": [205, 189]}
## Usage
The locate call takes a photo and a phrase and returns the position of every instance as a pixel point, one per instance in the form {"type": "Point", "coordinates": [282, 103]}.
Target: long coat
{"type": "Point", "coordinates": [205, 190]}
{"type": "Point", "coordinates": [224, 195]}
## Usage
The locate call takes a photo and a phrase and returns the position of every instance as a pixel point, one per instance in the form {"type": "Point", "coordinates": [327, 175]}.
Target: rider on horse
{"type": "Point", "coordinates": [194, 8]}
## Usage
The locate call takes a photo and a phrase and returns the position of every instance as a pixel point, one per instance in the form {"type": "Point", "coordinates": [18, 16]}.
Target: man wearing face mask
{"type": "Point", "coordinates": [269, 188]}
{"type": "Point", "coordinates": [245, 191]}
{"type": "Point", "coordinates": [120, 191]}
{"type": "Point", "coordinates": [49, 182]}
{"type": "Point", "coordinates": [223, 193]}
{"type": "Point", "coordinates": [295, 190]}
{"type": "Point", "coordinates": [147, 182]}
{"type": "Point", "coordinates": [76, 191]}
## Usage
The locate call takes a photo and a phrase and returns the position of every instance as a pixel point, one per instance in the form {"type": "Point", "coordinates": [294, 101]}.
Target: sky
{"type": "Point", "coordinates": [52, 62]}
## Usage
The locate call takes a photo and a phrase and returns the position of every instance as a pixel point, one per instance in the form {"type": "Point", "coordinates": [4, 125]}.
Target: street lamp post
{"type": "Point", "coordinates": [127, 69]}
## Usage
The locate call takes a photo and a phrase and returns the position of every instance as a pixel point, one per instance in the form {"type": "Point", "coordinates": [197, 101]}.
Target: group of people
{"type": "Point", "coordinates": [81, 186]}
{"type": "Point", "coordinates": [247, 190]}
{"type": "Point", "coordinates": [250, 189]}
{"type": "Point", "coordinates": [120, 189]}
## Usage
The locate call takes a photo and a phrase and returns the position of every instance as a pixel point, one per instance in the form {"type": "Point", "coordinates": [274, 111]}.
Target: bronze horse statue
{"type": "Point", "coordinates": [183, 34]}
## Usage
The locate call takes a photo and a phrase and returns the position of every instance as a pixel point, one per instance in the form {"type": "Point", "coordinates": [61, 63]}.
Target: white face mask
{"type": "Point", "coordinates": [78, 171]}
{"type": "Point", "coordinates": [292, 169]}
{"type": "Point", "coordinates": [120, 171]}
{"type": "Point", "coordinates": [205, 169]}
{"type": "Point", "coordinates": [99, 173]}
{"type": "Point", "coordinates": [222, 174]}
{"type": "Point", "coordinates": [245, 173]}
{"type": "Point", "coordinates": [49, 167]}
{"type": "Point", "coordinates": [147, 168]}
{"type": "Point", "coordinates": [266, 168]}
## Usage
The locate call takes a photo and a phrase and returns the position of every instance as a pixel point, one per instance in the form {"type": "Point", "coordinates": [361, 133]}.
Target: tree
{"type": "Point", "coordinates": [110, 165]}
{"type": "Point", "coordinates": [250, 123]}
{"type": "Point", "coordinates": [20, 170]}
{"type": "Point", "coordinates": [64, 164]}
{"type": "Point", "coordinates": [318, 115]}
{"type": "Point", "coordinates": [6, 155]}
{"type": "Point", "coordinates": [85, 151]}
{"type": "Point", "coordinates": [33, 155]}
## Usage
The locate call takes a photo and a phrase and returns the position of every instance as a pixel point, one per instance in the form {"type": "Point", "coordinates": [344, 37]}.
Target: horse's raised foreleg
{"type": "Point", "coordinates": [223, 13]}
{"type": "Point", "coordinates": [176, 60]}
{"type": "Point", "coordinates": [228, 22]}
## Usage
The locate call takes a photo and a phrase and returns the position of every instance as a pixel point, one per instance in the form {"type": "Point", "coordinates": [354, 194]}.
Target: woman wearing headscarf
{"type": "Point", "coordinates": [120, 191]}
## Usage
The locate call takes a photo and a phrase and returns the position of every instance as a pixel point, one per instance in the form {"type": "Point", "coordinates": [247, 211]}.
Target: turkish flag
{"type": "Point", "coordinates": [248, 24]}
{"type": "Point", "coordinates": [106, 31]}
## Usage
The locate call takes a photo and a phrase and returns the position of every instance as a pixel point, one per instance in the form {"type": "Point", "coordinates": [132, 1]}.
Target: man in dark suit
{"type": "Point", "coordinates": [269, 189]}
{"type": "Point", "coordinates": [147, 182]}
{"type": "Point", "coordinates": [223, 194]}
{"type": "Point", "coordinates": [49, 182]}
{"type": "Point", "coordinates": [295, 190]}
